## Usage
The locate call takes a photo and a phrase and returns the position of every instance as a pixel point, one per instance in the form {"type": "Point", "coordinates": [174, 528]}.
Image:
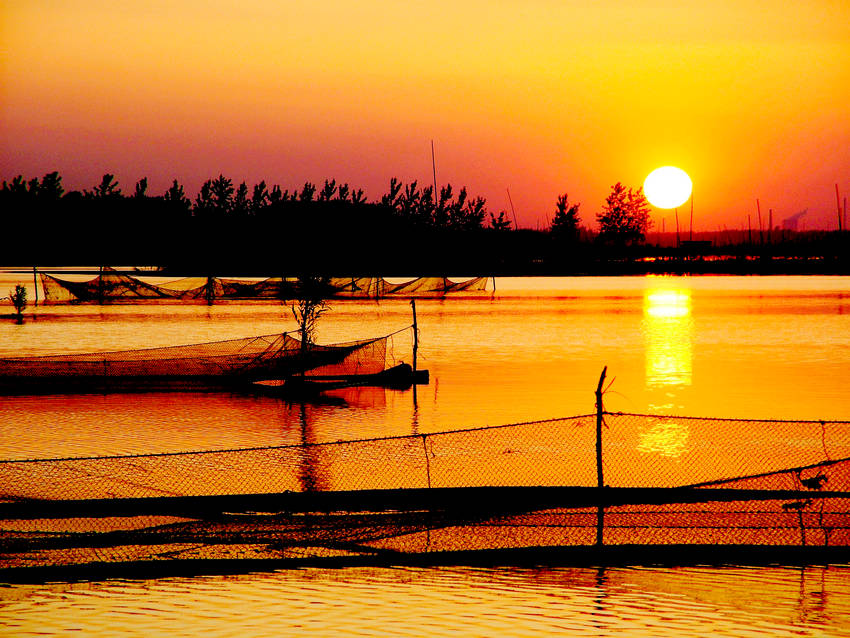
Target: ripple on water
{"type": "Point", "coordinates": [769, 601]}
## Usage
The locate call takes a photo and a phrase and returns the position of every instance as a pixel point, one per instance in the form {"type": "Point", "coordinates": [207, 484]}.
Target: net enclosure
{"type": "Point", "coordinates": [111, 286]}
{"type": "Point", "coordinates": [746, 485]}
{"type": "Point", "coordinates": [213, 365]}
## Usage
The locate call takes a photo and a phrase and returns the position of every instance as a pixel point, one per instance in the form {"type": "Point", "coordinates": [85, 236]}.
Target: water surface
{"type": "Point", "coordinates": [746, 347]}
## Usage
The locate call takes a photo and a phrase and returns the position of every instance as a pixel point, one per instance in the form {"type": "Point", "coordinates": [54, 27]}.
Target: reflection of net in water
{"type": "Point", "coordinates": [530, 485]}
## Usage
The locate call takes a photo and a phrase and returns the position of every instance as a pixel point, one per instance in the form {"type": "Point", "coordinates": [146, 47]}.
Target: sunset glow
{"type": "Point", "coordinates": [537, 97]}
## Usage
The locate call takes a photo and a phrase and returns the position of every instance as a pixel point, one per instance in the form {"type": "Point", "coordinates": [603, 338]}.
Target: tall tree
{"type": "Point", "coordinates": [625, 217]}
{"type": "Point", "coordinates": [222, 195]}
{"type": "Point", "coordinates": [566, 222]}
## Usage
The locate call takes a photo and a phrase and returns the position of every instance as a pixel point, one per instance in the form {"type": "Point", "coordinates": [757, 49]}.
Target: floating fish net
{"type": "Point", "coordinates": [114, 287]}
{"type": "Point", "coordinates": [206, 365]}
{"type": "Point", "coordinates": [670, 482]}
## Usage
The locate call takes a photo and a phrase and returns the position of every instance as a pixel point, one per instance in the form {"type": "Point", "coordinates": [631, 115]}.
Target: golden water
{"type": "Point", "coordinates": [753, 347]}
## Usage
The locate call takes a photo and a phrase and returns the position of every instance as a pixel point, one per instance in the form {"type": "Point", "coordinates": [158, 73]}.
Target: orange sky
{"type": "Point", "coordinates": [539, 96]}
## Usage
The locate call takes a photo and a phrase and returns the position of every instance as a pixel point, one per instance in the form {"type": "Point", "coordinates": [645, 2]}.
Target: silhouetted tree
{"type": "Point", "coordinates": [141, 188]}
{"type": "Point", "coordinates": [358, 197]}
{"type": "Point", "coordinates": [18, 297]}
{"type": "Point", "coordinates": [204, 202]}
{"type": "Point", "coordinates": [275, 195]}
{"type": "Point", "coordinates": [108, 187]}
{"type": "Point", "coordinates": [176, 199]}
{"type": "Point", "coordinates": [310, 305]}
{"type": "Point", "coordinates": [222, 195]}
{"type": "Point", "coordinates": [51, 187]}
{"type": "Point", "coordinates": [565, 223]}
{"type": "Point", "coordinates": [307, 192]}
{"type": "Point", "coordinates": [391, 199]}
{"type": "Point", "coordinates": [241, 203]}
{"type": "Point", "coordinates": [625, 217]}
{"type": "Point", "coordinates": [328, 191]}
{"type": "Point", "coordinates": [501, 222]}
{"type": "Point", "coordinates": [260, 198]}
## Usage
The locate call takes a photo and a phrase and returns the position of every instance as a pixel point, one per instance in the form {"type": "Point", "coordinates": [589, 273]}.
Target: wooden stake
{"type": "Point", "coordinates": [600, 409]}
{"type": "Point", "coordinates": [35, 283]}
{"type": "Point", "coordinates": [838, 204]}
{"type": "Point", "coordinates": [761, 228]}
{"type": "Point", "coordinates": [415, 338]}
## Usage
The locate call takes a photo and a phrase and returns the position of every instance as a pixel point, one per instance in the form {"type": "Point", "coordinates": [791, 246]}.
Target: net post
{"type": "Point", "coordinates": [415, 338]}
{"type": "Point", "coordinates": [600, 482]}
{"type": "Point", "coordinates": [600, 410]}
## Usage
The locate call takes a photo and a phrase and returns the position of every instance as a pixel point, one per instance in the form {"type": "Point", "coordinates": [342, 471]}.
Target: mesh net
{"type": "Point", "coordinates": [529, 485]}
{"type": "Point", "coordinates": [201, 365]}
{"type": "Point", "coordinates": [111, 286]}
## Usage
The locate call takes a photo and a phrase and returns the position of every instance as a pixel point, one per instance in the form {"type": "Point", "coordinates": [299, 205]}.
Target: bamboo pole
{"type": "Point", "coordinates": [35, 283]}
{"type": "Point", "coordinates": [677, 228]}
{"type": "Point", "coordinates": [769, 224]}
{"type": "Point", "coordinates": [761, 228]}
{"type": "Point", "coordinates": [838, 205]}
{"type": "Point", "coordinates": [513, 212]}
{"type": "Point", "coordinates": [692, 219]}
{"type": "Point", "coordinates": [434, 169]}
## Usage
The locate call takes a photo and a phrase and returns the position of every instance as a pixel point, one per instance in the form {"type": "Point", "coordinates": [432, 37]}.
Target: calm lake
{"type": "Point", "coordinates": [740, 347]}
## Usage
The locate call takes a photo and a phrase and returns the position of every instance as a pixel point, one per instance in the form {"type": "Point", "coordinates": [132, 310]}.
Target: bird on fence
{"type": "Point", "coordinates": [815, 482]}
{"type": "Point", "coordinates": [797, 505]}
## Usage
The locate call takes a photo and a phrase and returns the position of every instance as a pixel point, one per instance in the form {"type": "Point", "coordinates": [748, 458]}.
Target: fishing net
{"type": "Point", "coordinates": [113, 287]}
{"type": "Point", "coordinates": [704, 483]}
{"type": "Point", "coordinates": [205, 365]}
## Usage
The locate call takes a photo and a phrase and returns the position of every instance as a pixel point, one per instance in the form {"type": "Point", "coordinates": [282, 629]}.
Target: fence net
{"type": "Point", "coordinates": [671, 481]}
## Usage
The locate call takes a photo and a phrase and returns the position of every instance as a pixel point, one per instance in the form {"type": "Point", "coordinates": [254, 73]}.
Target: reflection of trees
{"type": "Point", "coordinates": [310, 471]}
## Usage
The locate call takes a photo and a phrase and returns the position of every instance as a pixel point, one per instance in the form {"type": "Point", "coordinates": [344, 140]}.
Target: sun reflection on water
{"type": "Point", "coordinates": [666, 438]}
{"type": "Point", "coordinates": [668, 333]}
{"type": "Point", "coordinates": [668, 330]}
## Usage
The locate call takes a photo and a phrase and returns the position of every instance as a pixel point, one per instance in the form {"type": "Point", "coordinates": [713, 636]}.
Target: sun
{"type": "Point", "coordinates": [667, 187]}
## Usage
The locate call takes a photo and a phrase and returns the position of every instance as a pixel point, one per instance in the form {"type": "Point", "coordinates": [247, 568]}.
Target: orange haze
{"type": "Point", "coordinates": [539, 96]}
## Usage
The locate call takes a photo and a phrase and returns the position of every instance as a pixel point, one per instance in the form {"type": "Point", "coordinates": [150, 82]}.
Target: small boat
{"type": "Point", "coordinates": [399, 377]}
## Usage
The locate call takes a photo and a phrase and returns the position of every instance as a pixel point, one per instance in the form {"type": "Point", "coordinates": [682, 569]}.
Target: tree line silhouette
{"type": "Point", "coordinates": [330, 228]}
